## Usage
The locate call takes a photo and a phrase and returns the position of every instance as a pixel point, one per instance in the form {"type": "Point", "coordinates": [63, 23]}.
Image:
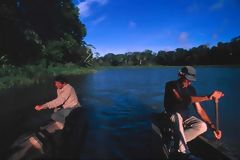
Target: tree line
{"type": "Point", "coordinates": [50, 32]}
{"type": "Point", "coordinates": [222, 54]}
{"type": "Point", "coordinates": [42, 32]}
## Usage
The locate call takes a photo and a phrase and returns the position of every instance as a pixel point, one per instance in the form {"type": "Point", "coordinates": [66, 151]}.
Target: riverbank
{"type": "Point", "coordinates": [12, 77]}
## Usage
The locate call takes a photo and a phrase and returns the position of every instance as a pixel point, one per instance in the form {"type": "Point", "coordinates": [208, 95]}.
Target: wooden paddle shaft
{"type": "Point", "coordinates": [217, 114]}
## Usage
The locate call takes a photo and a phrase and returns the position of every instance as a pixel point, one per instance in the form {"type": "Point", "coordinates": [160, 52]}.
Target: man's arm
{"type": "Point", "coordinates": [61, 98]}
{"type": "Point", "coordinates": [52, 104]}
{"type": "Point", "coordinates": [203, 115]}
{"type": "Point", "coordinates": [213, 95]}
{"type": "Point", "coordinates": [195, 99]}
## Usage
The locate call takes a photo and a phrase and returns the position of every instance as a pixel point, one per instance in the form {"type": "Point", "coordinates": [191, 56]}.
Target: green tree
{"type": "Point", "coordinates": [32, 30]}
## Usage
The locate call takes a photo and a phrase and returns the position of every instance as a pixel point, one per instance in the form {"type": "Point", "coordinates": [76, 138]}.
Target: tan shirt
{"type": "Point", "coordinates": [66, 97]}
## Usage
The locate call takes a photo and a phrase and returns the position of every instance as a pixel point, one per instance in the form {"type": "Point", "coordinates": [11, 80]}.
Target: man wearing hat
{"type": "Point", "coordinates": [179, 94]}
{"type": "Point", "coordinates": [65, 102]}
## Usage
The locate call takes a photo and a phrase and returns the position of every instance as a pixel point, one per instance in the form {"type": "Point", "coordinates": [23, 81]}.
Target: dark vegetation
{"type": "Point", "coordinates": [42, 32]}
{"type": "Point", "coordinates": [222, 54]}
{"type": "Point", "coordinates": [40, 38]}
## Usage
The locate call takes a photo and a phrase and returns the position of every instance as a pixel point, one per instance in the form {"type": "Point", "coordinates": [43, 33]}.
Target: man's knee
{"type": "Point", "coordinates": [202, 127]}
{"type": "Point", "coordinates": [59, 125]}
{"type": "Point", "coordinates": [176, 118]}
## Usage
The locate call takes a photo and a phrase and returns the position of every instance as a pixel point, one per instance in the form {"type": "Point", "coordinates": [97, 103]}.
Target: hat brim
{"type": "Point", "coordinates": [190, 78]}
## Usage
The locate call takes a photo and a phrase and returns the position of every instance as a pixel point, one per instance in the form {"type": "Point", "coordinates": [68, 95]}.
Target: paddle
{"type": "Point", "coordinates": [217, 132]}
{"type": "Point", "coordinates": [217, 113]}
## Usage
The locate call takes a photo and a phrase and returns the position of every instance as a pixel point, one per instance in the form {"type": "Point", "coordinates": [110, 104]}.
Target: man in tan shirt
{"type": "Point", "coordinates": [65, 102]}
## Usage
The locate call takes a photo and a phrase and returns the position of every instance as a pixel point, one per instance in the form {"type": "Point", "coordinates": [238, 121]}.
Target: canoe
{"type": "Point", "coordinates": [75, 135]}
{"type": "Point", "coordinates": [200, 147]}
{"type": "Point", "coordinates": [63, 144]}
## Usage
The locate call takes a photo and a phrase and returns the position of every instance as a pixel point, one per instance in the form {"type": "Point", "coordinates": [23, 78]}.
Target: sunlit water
{"type": "Point", "coordinates": [120, 101]}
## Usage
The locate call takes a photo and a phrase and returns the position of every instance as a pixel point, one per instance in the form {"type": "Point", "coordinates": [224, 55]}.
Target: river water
{"type": "Point", "coordinates": [120, 101]}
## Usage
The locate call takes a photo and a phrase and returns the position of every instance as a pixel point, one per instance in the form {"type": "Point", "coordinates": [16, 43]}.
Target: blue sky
{"type": "Point", "coordinates": [119, 26]}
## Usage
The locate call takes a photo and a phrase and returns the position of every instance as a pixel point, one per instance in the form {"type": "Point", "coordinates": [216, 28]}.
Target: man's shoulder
{"type": "Point", "coordinates": [70, 88]}
{"type": "Point", "coordinates": [67, 87]}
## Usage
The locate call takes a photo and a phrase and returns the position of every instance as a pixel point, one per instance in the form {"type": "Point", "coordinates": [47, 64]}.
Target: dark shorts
{"type": "Point", "coordinates": [61, 114]}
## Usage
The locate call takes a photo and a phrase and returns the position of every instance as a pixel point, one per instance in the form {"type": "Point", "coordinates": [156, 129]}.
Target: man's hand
{"type": "Point", "coordinates": [216, 95]}
{"type": "Point", "coordinates": [217, 134]}
{"type": "Point", "coordinates": [39, 107]}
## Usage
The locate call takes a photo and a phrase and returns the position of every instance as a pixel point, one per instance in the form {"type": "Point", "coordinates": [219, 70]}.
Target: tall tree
{"type": "Point", "coordinates": [28, 26]}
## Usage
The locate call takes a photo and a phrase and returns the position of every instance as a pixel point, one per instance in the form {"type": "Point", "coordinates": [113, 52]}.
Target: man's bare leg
{"type": "Point", "coordinates": [51, 128]}
{"type": "Point", "coordinates": [54, 127]}
{"type": "Point", "coordinates": [36, 143]}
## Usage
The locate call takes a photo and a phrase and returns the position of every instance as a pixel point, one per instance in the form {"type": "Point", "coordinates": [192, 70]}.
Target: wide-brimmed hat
{"type": "Point", "coordinates": [189, 73]}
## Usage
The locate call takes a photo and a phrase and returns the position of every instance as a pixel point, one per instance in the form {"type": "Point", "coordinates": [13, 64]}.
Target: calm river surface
{"type": "Point", "coordinates": [120, 101]}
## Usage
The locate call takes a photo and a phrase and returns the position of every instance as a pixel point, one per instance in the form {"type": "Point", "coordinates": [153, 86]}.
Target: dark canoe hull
{"type": "Point", "coordinates": [64, 144]}
{"type": "Point", "coordinates": [206, 149]}
{"type": "Point", "coordinates": [201, 146]}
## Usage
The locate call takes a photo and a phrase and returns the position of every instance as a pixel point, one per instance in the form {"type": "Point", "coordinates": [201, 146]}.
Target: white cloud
{"type": "Point", "coordinates": [85, 7]}
{"type": "Point", "coordinates": [98, 20]}
{"type": "Point", "coordinates": [183, 37]}
{"type": "Point", "coordinates": [132, 24]}
{"type": "Point", "coordinates": [218, 5]}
